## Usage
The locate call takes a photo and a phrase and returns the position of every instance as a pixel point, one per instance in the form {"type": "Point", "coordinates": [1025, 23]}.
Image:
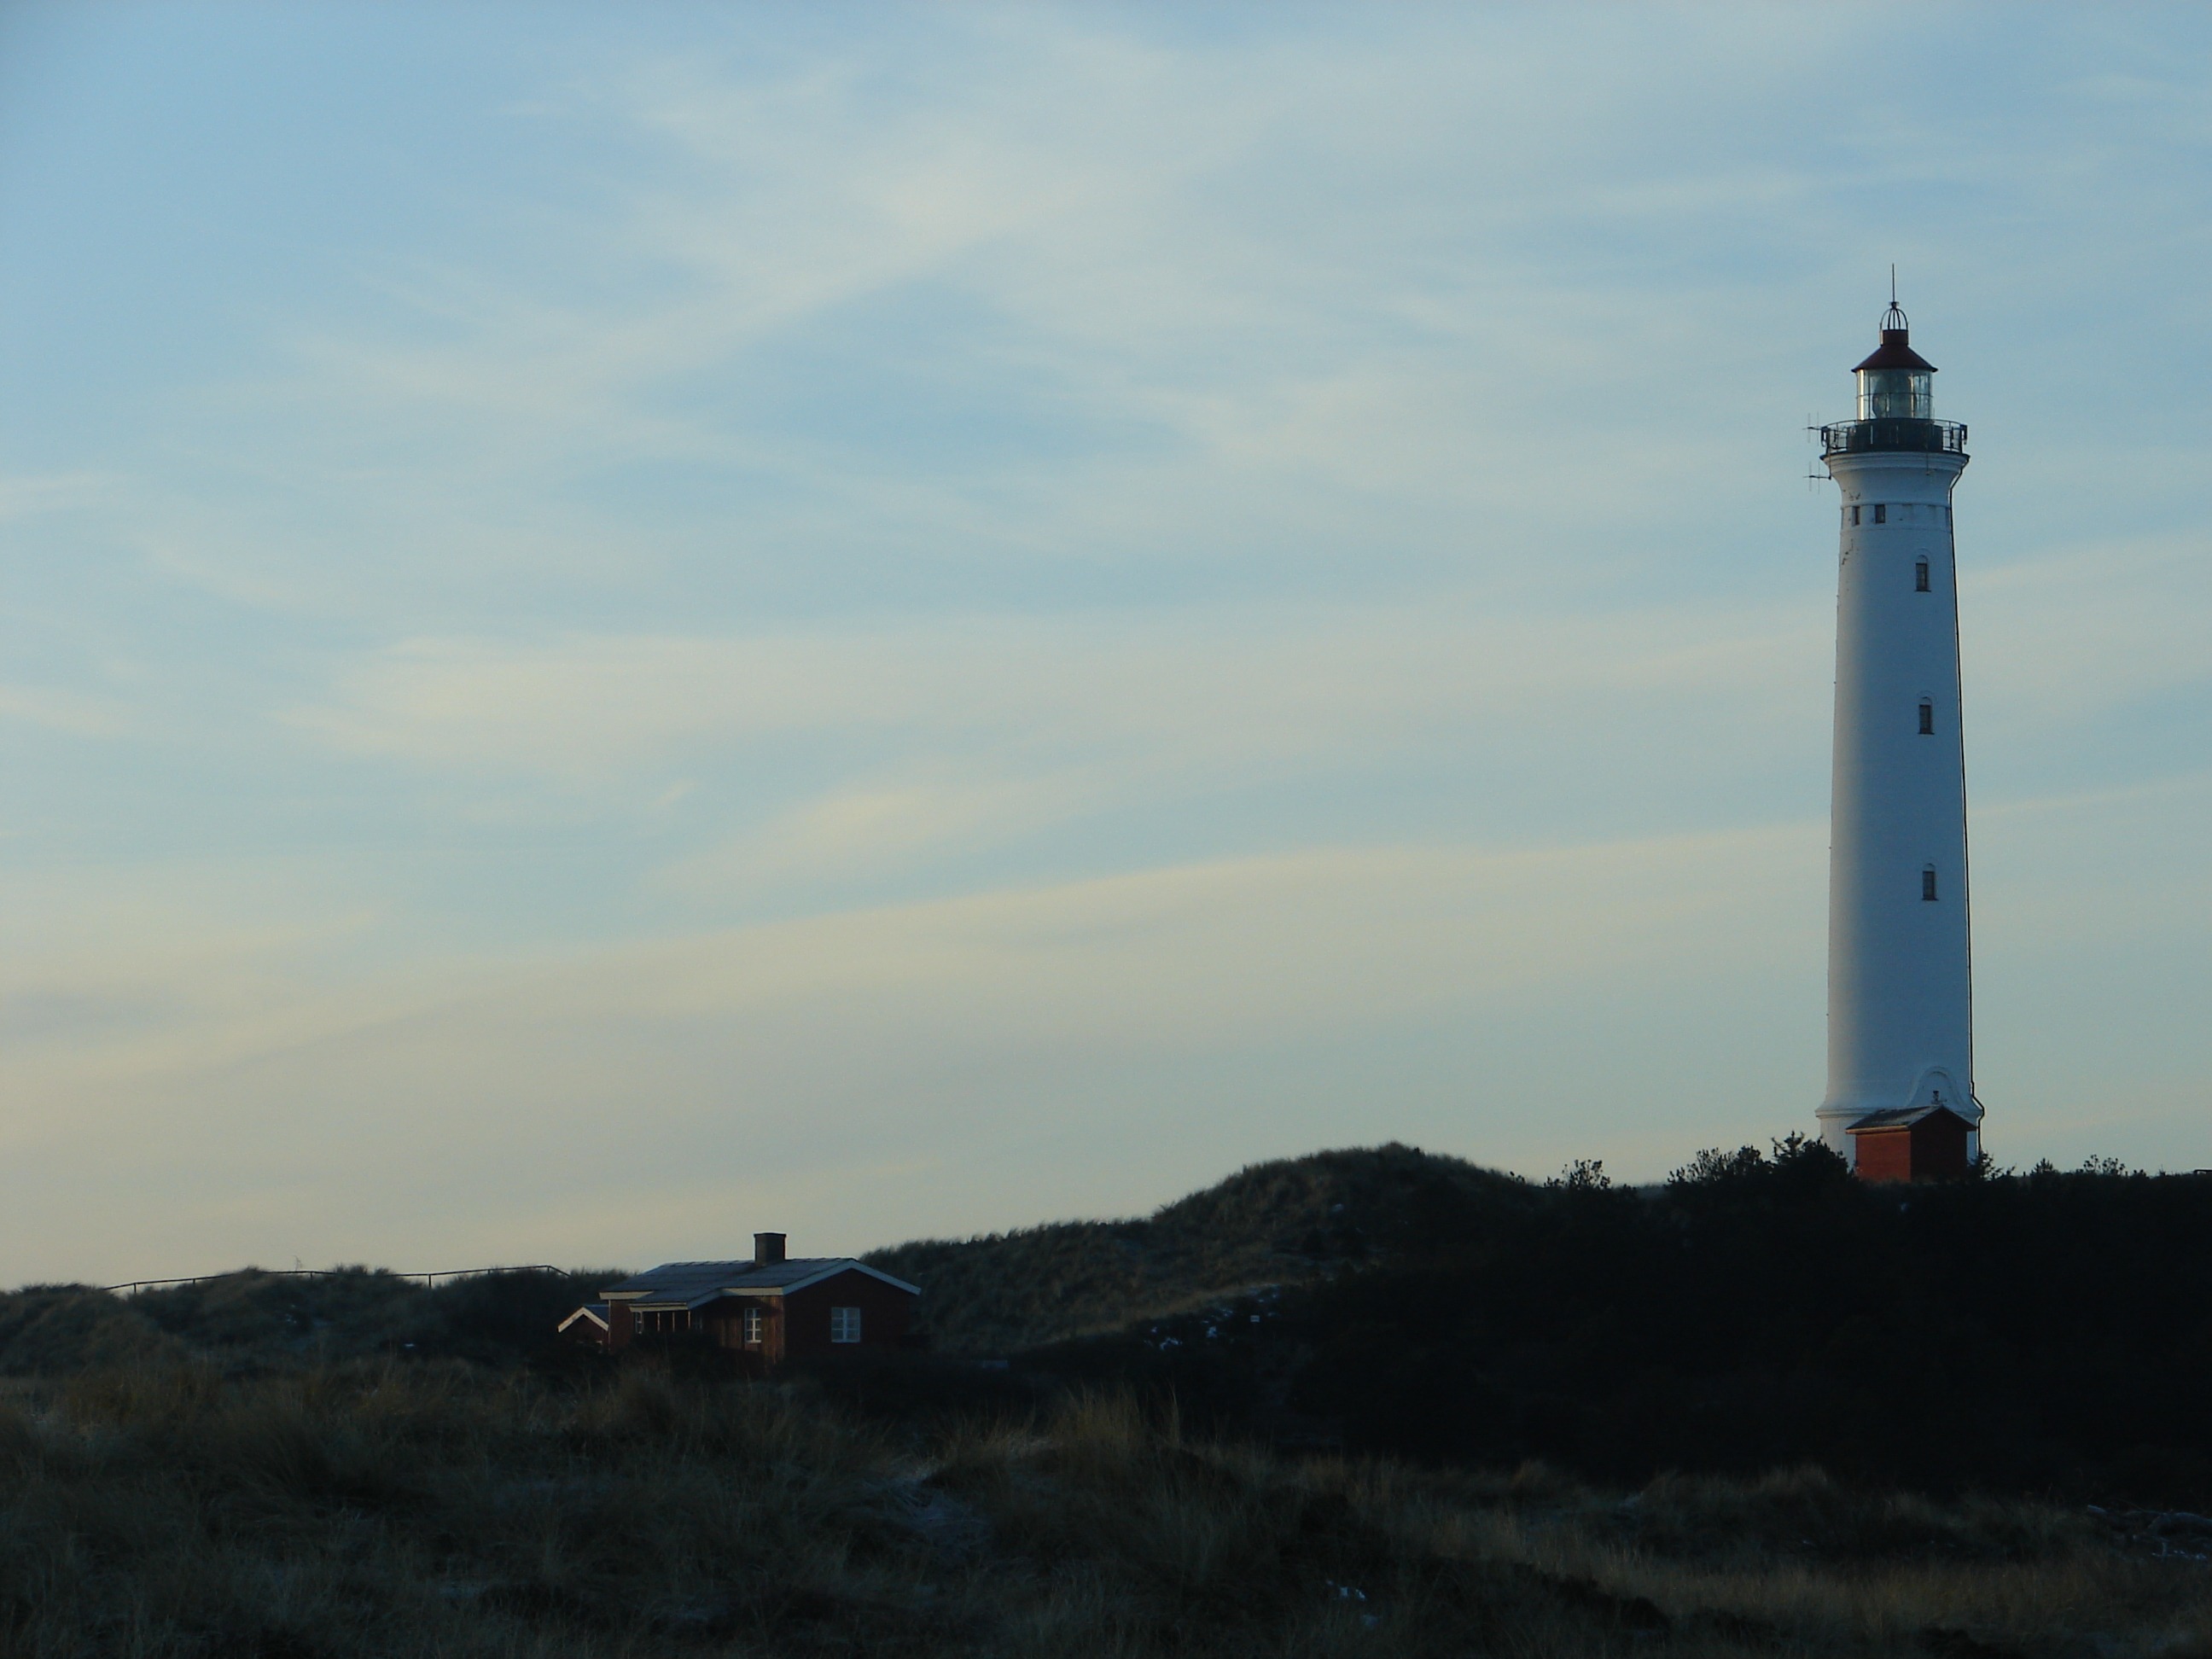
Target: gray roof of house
{"type": "Point", "coordinates": [694, 1282]}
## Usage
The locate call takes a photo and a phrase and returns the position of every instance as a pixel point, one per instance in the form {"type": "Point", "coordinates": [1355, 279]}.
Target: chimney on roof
{"type": "Point", "coordinates": [768, 1250]}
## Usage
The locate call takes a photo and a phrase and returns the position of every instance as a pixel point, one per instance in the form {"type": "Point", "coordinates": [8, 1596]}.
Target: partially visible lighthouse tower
{"type": "Point", "coordinates": [1900, 994]}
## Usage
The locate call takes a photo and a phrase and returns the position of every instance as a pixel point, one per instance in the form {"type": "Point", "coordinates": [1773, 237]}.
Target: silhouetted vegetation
{"type": "Point", "coordinates": [252, 1321]}
{"type": "Point", "coordinates": [2038, 1332]}
{"type": "Point", "coordinates": [1363, 1402]}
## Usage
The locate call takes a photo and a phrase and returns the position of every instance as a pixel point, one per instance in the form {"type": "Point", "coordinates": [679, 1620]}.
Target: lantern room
{"type": "Point", "coordinates": [1896, 382]}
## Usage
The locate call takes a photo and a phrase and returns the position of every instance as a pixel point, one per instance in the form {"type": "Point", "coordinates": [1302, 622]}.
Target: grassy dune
{"type": "Point", "coordinates": [1292, 1414]}
{"type": "Point", "coordinates": [1282, 1221]}
{"type": "Point", "coordinates": [438, 1509]}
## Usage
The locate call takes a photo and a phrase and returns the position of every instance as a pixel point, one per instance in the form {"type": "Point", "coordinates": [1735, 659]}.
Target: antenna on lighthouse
{"type": "Point", "coordinates": [1893, 318]}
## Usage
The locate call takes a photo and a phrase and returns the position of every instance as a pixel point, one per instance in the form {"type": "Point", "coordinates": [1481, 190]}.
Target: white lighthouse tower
{"type": "Point", "coordinates": [1900, 993]}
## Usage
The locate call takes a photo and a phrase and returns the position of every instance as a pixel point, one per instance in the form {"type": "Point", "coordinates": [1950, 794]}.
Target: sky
{"type": "Point", "coordinates": [623, 625]}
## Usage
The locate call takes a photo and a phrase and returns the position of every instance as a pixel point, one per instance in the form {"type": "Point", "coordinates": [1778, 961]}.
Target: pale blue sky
{"type": "Point", "coordinates": [623, 625]}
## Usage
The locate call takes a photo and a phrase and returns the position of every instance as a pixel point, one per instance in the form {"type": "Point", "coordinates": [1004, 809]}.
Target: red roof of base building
{"type": "Point", "coordinates": [1900, 1117]}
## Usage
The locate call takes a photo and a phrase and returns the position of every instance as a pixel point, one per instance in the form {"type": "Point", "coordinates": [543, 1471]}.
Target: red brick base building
{"type": "Point", "coordinates": [1912, 1143]}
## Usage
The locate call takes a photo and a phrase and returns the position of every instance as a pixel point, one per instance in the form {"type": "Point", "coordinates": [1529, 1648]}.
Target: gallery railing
{"type": "Point", "coordinates": [1893, 432]}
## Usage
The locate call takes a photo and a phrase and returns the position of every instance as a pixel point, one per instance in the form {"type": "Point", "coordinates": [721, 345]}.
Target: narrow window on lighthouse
{"type": "Point", "coordinates": [1927, 718]}
{"type": "Point", "coordinates": [1855, 516]}
{"type": "Point", "coordinates": [1920, 577]}
{"type": "Point", "coordinates": [1881, 513]}
{"type": "Point", "coordinates": [1927, 885]}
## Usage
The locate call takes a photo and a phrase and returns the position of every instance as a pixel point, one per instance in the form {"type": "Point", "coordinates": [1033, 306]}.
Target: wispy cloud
{"type": "Point", "coordinates": [71, 712]}
{"type": "Point", "coordinates": [1200, 583]}
{"type": "Point", "coordinates": [888, 824]}
{"type": "Point", "coordinates": [1078, 281]}
{"type": "Point", "coordinates": [1192, 687]}
{"type": "Point", "coordinates": [911, 1032]}
{"type": "Point", "coordinates": [21, 496]}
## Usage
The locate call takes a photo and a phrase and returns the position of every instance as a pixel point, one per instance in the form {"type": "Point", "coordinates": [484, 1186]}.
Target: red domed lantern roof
{"type": "Point", "coordinates": [1895, 350]}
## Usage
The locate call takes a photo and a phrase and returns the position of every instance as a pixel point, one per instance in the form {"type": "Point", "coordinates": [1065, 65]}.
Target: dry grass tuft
{"type": "Point", "coordinates": [377, 1509]}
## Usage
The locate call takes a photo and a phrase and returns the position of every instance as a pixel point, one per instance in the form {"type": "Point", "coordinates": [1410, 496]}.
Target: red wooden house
{"type": "Point", "coordinates": [768, 1310]}
{"type": "Point", "coordinates": [587, 1324]}
{"type": "Point", "coordinates": [1912, 1143]}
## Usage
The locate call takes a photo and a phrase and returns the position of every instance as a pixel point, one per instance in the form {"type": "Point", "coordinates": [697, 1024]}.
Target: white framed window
{"type": "Point", "coordinates": [1855, 516]}
{"type": "Point", "coordinates": [844, 1324]}
{"type": "Point", "coordinates": [753, 1324]}
{"type": "Point", "coordinates": [1882, 512]}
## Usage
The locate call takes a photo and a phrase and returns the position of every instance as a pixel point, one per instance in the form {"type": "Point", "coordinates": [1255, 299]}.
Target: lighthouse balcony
{"type": "Point", "coordinates": [1892, 433]}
